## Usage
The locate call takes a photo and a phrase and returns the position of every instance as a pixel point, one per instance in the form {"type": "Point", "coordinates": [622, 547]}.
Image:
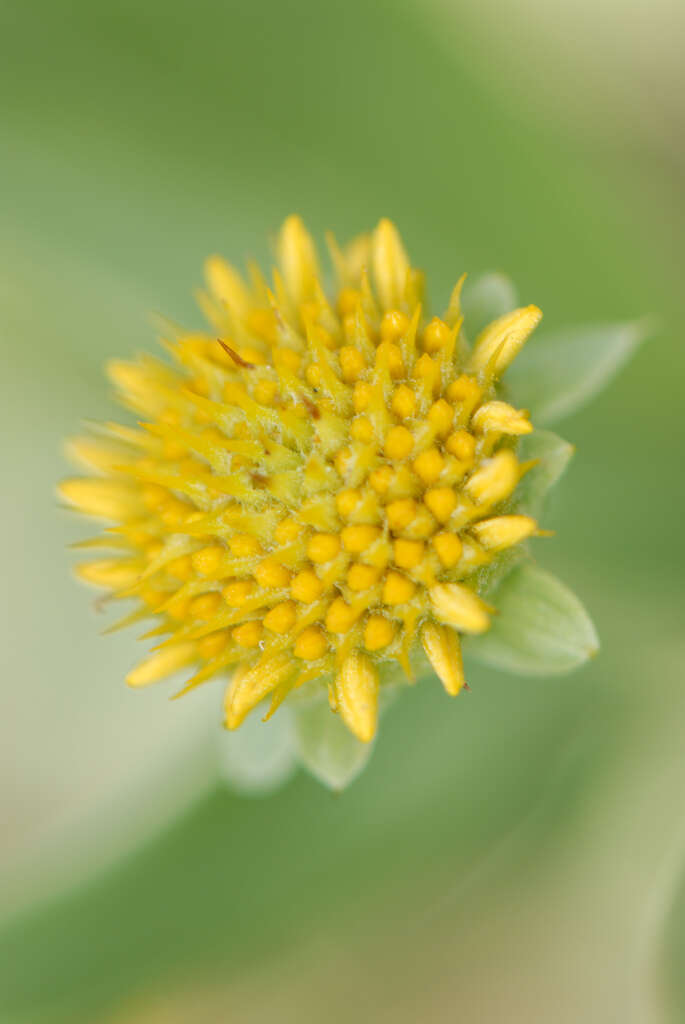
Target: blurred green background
{"type": "Point", "coordinates": [516, 855]}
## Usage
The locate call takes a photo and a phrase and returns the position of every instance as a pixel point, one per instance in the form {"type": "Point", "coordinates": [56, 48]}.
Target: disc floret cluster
{"type": "Point", "coordinates": [315, 487]}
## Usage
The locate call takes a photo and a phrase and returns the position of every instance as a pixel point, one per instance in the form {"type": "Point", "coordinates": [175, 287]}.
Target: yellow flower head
{"type": "Point", "coordinates": [316, 487]}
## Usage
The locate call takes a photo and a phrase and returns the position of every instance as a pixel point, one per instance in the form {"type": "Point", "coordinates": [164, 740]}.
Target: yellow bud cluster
{"type": "Point", "coordinates": [313, 494]}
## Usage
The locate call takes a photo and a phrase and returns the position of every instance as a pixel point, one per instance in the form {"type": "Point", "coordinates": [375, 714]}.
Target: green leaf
{"type": "Point", "coordinates": [485, 298]}
{"type": "Point", "coordinates": [553, 454]}
{"type": "Point", "coordinates": [260, 756]}
{"type": "Point", "coordinates": [558, 372]}
{"type": "Point", "coordinates": [541, 629]}
{"type": "Point", "coordinates": [326, 747]}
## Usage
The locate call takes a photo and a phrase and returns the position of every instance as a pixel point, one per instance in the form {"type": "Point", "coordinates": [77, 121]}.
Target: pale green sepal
{"type": "Point", "coordinates": [325, 745]}
{"type": "Point", "coordinates": [484, 299]}
{"type": "Point", "coordinates": [541, 629]}
{"type": "Point", "coordinates": [259, 756]}
{"type": "Point", "coordinates": [558, 372]}
{"type": "Point", "coordinates": [553, 455]}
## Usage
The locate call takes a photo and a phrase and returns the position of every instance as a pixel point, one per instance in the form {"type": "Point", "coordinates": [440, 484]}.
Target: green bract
{"type": "Point", "coordinates": [543, 628]}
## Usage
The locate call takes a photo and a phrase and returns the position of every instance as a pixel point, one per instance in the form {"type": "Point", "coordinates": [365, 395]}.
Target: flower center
{"type": "Point", "coordinates": [375, 459]}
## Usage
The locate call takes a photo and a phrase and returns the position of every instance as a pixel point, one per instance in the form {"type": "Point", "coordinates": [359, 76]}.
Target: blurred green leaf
{"type": "Point", "coordinates": [553, 454]}
{"type": "Point", "coordinates": [260, 756]}
{"type": "Point", "coordinates": [541, 629]}
{"type": "Point", "coordinates": [326, 747]}
{"type": "Point", "coordinates": [558, 372]}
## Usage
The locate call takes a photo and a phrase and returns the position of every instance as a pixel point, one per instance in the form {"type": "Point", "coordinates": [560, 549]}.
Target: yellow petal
{"type": "Point", "coordinates": [453, 314]}
{"type": "Point", "coordinates": [357, 696]}
{"type": "Point", "coordinates": [357, 255]}
{"type": "Point", "coordinates": [457, 605]}
{"type": "Point", "coordinates": [501, 418]}
{"type": "Point", "coordinates": [495, 479]}
{"type": "Point", "coordinates": [503, 531]}
{"type": "Point", "coordinates": [250, 685]}
{"type": "Point", "coordinates": [297, 259]}
{"type": "Point", "coordinates": [501, 341]}
{"type": "Point", "coordinates": [228, 286]}
{"type": "Point", "coordinates": [104, 499]}
{"type": "Point", "coordinates": [161, 664]}
{"type": "Point", "coordinates": [113, 573]}
{"type": "Point", "coordinates": [97, 453]}
{"type": "Point", "coordinates": [139, 379]}
{"type": "Point", "coordinates": [390, 265]}
{"type": "Point", "coordinates": [443, 650]}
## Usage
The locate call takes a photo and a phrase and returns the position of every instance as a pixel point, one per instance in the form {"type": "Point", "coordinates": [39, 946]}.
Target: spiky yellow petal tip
{"type": "Point", "coordinates": [317, 482]}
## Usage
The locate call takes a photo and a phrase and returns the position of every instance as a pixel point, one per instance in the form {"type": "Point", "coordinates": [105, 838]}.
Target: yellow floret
{"type": "Point", "coordinates": [270, 573]}
{"type": "Point", "coordinates": [306, 586]}
{"type": "Point", "coordinates": [378, 633]}
{"type": "Point", "coordinates": [311, 644]}
{"type": "Point", "coordinates": [323, 547]}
